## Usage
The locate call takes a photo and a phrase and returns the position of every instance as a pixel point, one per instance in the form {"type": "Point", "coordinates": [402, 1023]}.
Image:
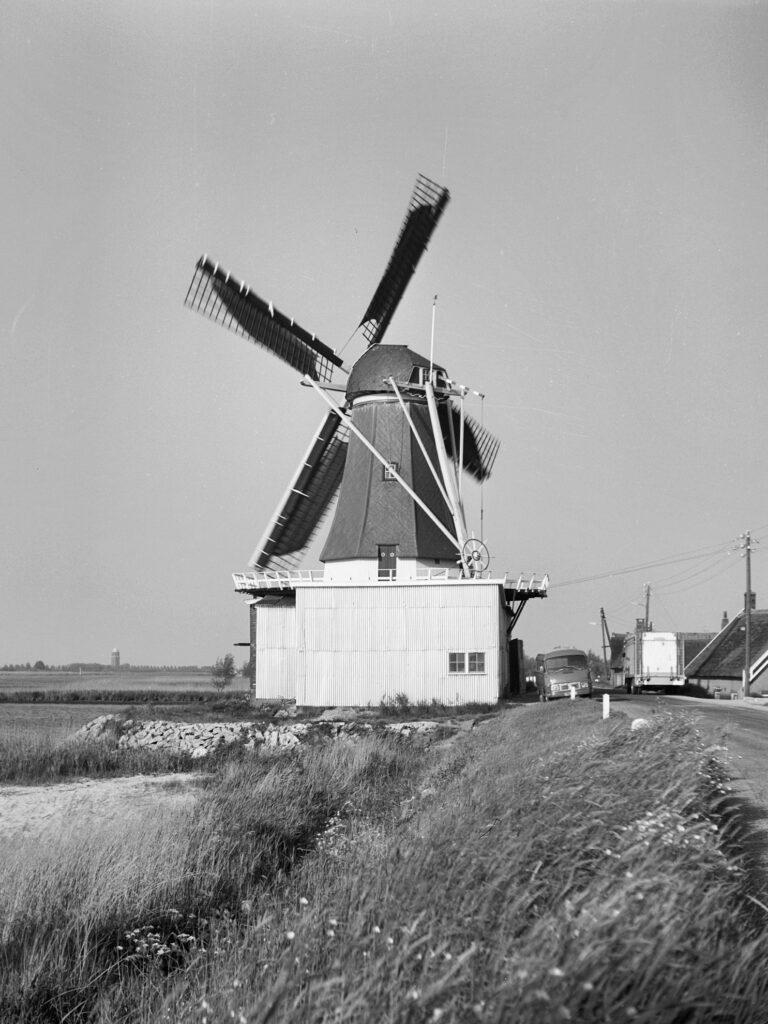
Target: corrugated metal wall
{"type": "Point", "coordinates": [362, 645]}
{"type": "Point", "coordinates": [274, 632]}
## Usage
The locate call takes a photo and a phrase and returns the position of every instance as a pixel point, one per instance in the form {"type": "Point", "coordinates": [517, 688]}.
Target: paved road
{"type": "Point", "coordinates": [742, 727]}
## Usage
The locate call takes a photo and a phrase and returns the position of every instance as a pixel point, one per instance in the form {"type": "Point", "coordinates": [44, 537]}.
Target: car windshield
{"type": "Point", "coordinates": [565, 661]}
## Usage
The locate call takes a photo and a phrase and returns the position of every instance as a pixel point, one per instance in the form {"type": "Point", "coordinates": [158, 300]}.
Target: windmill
{"type": "Point", "coordinates": [394, 446]}
{"type": "Point", "coordinates": [399, 409]}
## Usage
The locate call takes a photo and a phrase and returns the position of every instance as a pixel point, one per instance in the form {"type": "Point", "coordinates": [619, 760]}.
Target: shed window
{"type": "Point", "coordinates": [388, 471]}
{"type": "Point", "coordinates": [476, 661]}
{"type": "Point", "coordinates": [456, 661]}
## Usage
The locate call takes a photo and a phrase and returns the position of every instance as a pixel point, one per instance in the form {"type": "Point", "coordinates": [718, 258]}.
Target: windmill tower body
{"type": "Point", "coordinates": [404, 602]}
{"type": "Point", "coordinates": [378, 530]}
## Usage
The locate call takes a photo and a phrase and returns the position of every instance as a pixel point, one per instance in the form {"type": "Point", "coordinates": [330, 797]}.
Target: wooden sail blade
{"type": "Point", "coordinates": [480, 446]}
{"type": "Point", "coordinates": [308, 498]}
{"type": "Point", "coordinates": [424, 210]}
{"type": "Point", "coordinates": [222, 298]}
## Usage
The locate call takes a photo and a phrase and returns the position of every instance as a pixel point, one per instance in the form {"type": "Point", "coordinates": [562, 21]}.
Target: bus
{"type": "Point", "coordinates": [561, 670]}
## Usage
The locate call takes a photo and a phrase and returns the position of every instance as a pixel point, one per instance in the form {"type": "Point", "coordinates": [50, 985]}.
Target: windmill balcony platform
{"type": "Point", "coordinates": [517, 586]}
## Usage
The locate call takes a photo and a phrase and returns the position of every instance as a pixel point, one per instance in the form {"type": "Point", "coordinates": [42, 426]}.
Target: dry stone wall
{"type": "Point", "coordinates": [198, 739]}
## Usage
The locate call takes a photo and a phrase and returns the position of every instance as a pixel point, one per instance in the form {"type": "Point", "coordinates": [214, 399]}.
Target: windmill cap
{"type": "Point", "coordinates": [379, 363]}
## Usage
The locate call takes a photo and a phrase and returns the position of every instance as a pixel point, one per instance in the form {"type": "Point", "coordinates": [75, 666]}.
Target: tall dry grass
{"type": "Point", "coordinates": [30, 755]}
{"type": "Point", "coordinates": [546, 867]}
{"type": "Point", "coordinates": [562, 869]}
{"type": "Point", "coordinates": [94, 915]}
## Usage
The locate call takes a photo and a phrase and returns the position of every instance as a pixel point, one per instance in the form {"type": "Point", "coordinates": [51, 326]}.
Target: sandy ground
{"type": "Point", "coordinates": [28, 813]}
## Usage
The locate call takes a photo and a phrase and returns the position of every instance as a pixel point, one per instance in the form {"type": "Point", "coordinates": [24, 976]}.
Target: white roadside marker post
{"type": "Point", "coordinates": [606, 705]}
{"type": "Point", "coordinates": [573, 692]}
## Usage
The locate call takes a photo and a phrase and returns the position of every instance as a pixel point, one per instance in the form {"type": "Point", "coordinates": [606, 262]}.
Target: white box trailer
{"type": "Point", "coordinates": [653, 660]}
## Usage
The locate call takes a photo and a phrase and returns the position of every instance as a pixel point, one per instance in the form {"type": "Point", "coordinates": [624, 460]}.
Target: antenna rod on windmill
{"type": "Point", "coordinates": [432, 339]}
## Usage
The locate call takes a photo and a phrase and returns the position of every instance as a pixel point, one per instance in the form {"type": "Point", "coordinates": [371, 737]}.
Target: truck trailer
{"type": "Point", "coordinates": [653, 660]}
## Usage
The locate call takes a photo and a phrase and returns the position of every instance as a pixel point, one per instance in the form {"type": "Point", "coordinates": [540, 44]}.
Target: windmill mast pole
{"type": "Point", "coordinates": [442, 457]}
{"type": "Point", "coordinates": [432, 338]}
{"type": "Point", "coordinates": [417, 435]}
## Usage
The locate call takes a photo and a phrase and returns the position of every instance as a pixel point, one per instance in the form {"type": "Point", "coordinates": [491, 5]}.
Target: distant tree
{"type": "Point", "coordinates": [223, 672]}
{"type": "Point", "coordinates": [245, 669]}
{"type": "Point", "coordinates": [40, 666]}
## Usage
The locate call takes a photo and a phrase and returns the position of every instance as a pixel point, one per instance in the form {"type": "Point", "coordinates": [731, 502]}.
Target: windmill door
{"type": "Point", "coordinates": [387, 561]}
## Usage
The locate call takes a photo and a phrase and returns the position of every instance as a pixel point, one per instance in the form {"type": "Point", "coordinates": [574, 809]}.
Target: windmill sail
{"type": "Point", "coordinates": [424, 210]}
{"type": "Point", "coordinates": [229, 302]}
{"type": "Point", "coordinates": [308, 498]}
{"type": "Point", "coordinates": [480, 446]}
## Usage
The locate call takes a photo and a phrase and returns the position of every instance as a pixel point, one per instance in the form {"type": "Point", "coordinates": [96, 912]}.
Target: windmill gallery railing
{"type": "Point", "coordinates": [531, 584]}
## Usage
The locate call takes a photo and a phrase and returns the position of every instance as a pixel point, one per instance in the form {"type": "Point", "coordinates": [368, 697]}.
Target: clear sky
{"type": "Point", "coordinates": [601, 272]}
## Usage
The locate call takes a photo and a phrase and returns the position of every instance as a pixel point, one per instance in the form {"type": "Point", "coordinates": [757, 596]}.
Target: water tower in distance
{"type": "Point", "coordinates": [114, 660]}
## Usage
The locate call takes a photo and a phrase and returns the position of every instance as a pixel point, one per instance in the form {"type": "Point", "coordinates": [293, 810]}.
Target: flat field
{"type": "Point", "coordinates": [117, 680]}
{"type": "Point", "coordinates": [54, 720]}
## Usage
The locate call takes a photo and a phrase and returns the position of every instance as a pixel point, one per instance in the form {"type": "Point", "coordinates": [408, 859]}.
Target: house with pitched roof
{"type": "Point", "coordinates": [719, 666]}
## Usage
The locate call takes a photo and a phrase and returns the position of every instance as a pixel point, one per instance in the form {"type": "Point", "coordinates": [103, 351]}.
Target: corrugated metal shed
{"type": "Point", "coordinates": [362, 645]}
{"type": "Point", "coordinates": [274, 649]}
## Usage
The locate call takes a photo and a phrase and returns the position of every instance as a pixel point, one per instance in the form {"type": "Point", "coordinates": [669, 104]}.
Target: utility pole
{"type": "Point", "coordinates": [647, 605]}
{"type": "Point", "coordinates": [606, 645]}
{"type": "Point", "coordinates": [747, 613]}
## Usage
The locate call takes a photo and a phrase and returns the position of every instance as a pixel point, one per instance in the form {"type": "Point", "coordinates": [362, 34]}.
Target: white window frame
{"type": "Point", "coordinates": [456, 655]}
{"type": "Point", "coordinates": [478, 656]}
{"type": "Point", "coordinates": [463, 658]}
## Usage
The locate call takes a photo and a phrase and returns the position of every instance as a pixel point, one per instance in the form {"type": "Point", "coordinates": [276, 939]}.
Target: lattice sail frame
{"type": "Point", "coordinates": [225, 300]}
{"type": "Point", "coordinates": [307, 500]}
{"type": "Point", "coordinates": [424, 211]}
{"type": "Point", "coordinates": [480, 445]}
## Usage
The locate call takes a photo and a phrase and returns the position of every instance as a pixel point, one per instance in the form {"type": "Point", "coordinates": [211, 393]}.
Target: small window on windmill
{"type": "Point", "coordinates": [388, 471]}
{"type": "Point", "coordinates": [456, 661]}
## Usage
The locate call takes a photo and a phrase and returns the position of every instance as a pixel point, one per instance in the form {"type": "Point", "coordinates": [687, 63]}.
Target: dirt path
{"type": "Point", "coordinates": [28, 813]}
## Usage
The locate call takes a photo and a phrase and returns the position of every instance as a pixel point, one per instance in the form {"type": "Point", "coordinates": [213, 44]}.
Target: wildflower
{"type": "Point", "coordinates": [290, 936]}
{"type": "Point", "coordinates": [333, 922]}
{"type": "Point", "coordinates": [303, 901]}
{"type": "Point", "coordinates": [330, 933]}
{"type": "Point", "coordinates": [390, 941]}
{"type": "Point", "coordinates": [556, 972]}
{"type": "Point", "coordinates": [587, 986]}
{"type": "Point", "coordinates": [376, 930]}
{"type": "Point", "coordinates": [414, 994]}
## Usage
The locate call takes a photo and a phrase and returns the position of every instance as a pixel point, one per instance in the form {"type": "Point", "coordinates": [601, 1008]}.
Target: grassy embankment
{"type": "Point", "coordinates": [546, 867]}
{"type": "Point", "coordinates": [45, 755]}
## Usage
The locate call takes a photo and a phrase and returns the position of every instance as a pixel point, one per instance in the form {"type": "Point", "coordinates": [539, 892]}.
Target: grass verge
{"type": "Point", "coordinates": [34, 756]}
{"type": "Point", "coordinates": [545, 867]}
{"type": "Point", "coordinates": [93, 923]}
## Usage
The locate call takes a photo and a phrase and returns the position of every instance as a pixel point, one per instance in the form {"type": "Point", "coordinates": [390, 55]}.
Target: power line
{"type": "Point", "coordinates": [684, 557]}
{"type": "Point", "coordinates": [670, 583]}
